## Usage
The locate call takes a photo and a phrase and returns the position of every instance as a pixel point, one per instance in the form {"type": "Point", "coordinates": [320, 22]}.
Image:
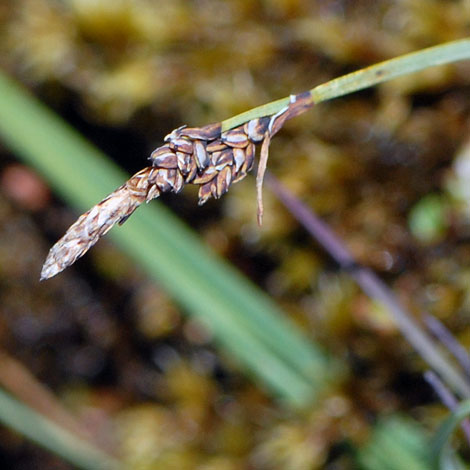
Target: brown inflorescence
{"type": "Point", "coordinates": [205, 156]}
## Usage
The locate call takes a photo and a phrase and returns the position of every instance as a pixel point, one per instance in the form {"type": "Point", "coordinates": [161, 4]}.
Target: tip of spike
{"type": "Point", "coordinates": [50, 269]}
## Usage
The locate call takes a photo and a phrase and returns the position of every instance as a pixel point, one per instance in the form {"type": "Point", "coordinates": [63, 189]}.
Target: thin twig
{"type": "Point", "coordinates": [441, 333]}
{"type": "Point", "coordinates": [372, 286]}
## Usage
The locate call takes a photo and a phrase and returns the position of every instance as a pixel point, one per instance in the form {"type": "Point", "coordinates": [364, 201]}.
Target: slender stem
{"type": "Point", "coordinates": [364, 78]}
{"type": "Point", "coordinates": [384, 71]}
{"type": "Point", "coordinates": [267, 109]}
{"type": "Point", "coordinates": [372, 286]}
{"type": "Point", "coordinates": [449, 341]}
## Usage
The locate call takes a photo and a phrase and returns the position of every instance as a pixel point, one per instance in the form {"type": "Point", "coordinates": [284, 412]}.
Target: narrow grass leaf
{"type": "Point", "coordinates": [49, 435]}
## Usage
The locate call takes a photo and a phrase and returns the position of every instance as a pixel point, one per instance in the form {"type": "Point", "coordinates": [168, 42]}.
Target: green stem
{"type": "Point", "coordinates": [384, 71]}
{"type": "Point", "coordinates": [364, 78]}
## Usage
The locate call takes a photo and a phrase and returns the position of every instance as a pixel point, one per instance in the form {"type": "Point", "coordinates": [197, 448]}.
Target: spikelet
{"type": "Point", "coordinates": [205, 156]}
{"type": "Point", "coordinates": [96, 222]}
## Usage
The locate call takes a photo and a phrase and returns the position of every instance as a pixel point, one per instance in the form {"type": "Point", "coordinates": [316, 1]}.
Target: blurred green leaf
{"type": "Point", "coordinates": [397, 443]}
{"type": "Point", "coordinates": [53, 437]}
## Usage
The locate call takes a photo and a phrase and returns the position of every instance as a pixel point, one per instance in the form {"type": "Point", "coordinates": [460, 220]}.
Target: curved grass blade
{"type": "Point", "coordinates": [440, 450]}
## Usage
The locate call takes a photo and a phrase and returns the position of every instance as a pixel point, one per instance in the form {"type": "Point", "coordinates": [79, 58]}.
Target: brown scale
{"type": "Point", "coordinates": [213, 159]}
{"type": "Point", "coordinates": [207, 157]}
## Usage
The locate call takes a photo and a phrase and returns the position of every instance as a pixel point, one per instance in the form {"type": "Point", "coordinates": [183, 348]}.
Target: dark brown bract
{"type": "Point", "coordinates": [207, 157]}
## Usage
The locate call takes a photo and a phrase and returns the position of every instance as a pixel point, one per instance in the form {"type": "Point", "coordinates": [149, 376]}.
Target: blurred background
{"type": "Point", "coordinates": [387, 168]}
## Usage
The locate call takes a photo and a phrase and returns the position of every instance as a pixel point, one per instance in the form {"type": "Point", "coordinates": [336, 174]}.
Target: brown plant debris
{"type": "Point", "coordinates": [205, 156]}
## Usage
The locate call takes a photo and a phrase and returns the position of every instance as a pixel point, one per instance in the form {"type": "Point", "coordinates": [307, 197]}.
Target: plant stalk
{"type": "Point", "coordinates": [383, 71]}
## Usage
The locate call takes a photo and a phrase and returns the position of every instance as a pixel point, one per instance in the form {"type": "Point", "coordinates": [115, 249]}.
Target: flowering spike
{"type": "Point", "coordinates": [205, 156]}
